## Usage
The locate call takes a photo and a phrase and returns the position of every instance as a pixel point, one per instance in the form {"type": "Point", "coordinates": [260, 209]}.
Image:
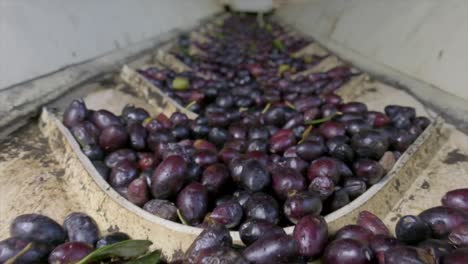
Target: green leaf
{"type": "Point", "coordinates": [181, 218]}
{"type": "Point", "coordinates": [283, 68]}
{"type": "Point", "coordinates": [150, 258]}
{"type": "Point", "coordinates": [180, 83]}
{"type": "Point", "coordinates": [124, 249]}
{"type": "Point", "coordinates": [278, 44]}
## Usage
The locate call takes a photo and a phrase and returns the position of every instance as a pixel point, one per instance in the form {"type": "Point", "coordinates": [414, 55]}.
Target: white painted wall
{"type": "Point", "coordinates": [41, 36]}
{"type": "Point", "coordinates": [426, 39]}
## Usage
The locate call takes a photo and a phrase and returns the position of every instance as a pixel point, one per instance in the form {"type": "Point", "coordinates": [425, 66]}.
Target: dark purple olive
{"type": "Point", "coordinates": [254, 229]}
{"type": "Point", "coordinates": [192, 202]}
{"type": "Point", "coordinates": [262, 206]}
{"type": "Point", "coordinates": [137, 134]}
{"type": "Point", "coordinates": [326, 167]}
{"type": "Point", "coordinates": [368, 170]}
{"type": "Point", "coordinates": [123, 174]}
{"type": "Point", "coordinates": [355, 232]}
{"type": "Point", "coordinates": [357, 126]}
{"type": "Point", "coordinates": [296, 164]}
{"type": "Point", "coordinates": [10, 247]}
{"type": "Point", "coordinates": [372, 223]}
{"type": "Point", "coordinates": [70, 252]}
{"type": "Point", "coordinates": [119, 155]}
{"type": "Point", "coordinates": [323, 186]}
{"type": "Point", "coordinates": [228, 214]}
{"type": "Point", "coordinates": [112, 238]}
{"type": "Point", "coordinates": [102, 169]}
{"type": "Point", "coordinates": [379, 244]}
{"type": "Point", "coordinates": [442, 220]}
{"type": "Point", "coordinates": [93, 152]}
{"type": "Point", "coordinates": [332, 129]}
{"type": "Point", "coordinates": [411, 229]}
{"type": "Point", "coordinates": [282, 140]}
{"type": "Point", "coordinates": [272, 249]}
{"type": "Point", "coordinates": [457, 199]}
{"type": "Point", "coordinates": [258, 133]}
{"type": "Point", "coordinates": [309, 150]}
{"type": "Point", "coordinates": [103, 119]}
{"type": "Point", "coordinates": [168, 177]}
{"type": "Point", "coordinates": [422, 122]}
{"type": "Point", "coordinates": [213, 235]}
{"type": "Point", "coordinates": [132, 114]}
{"type": "Point", "coordinates": [300, 204]}
{"type": "Point", "coordinates": [347, 251]}
{"type": "Point", "coordinates": [311, 235]}
{"type": "Point", "coordinates": [459, 235]}
{"type": "Point", "coordinates": [407, 254]}
{"type": "Point", "coordinates": [205, 158]}
{"type": "Point", "coordinates": [162, 208]}
{"type": "Point", "coordinates": [113, 137]}
{"type": "Point", "coordinates": [458, 256]}
{"type": "Point", "coordinates": [354, 187]}
{"type": "Point", "coordinates": [219, 254]}
{"type": "Point", "coordinates": [218, 136]}
{"type": "Point", "coordinates": [285, 180]}
{"type": "Point", "coordinates": [81, 227]}
{"type": "Point", "coordinates": [85, 133]}
{"type": "Point", "coordinates": [353, 107]}
{"type": "Point", "coordinates": [39, 228]}
{"type": "Point", "coordinates": [215, 177]}
{"type": "Point", "coordinates": [242, 197]}
{"type": "Point", "coordinates": [257, 145]}
{"type": "Point", "coordinates": [178, 118]}
{"type": "Point", "coordinates": [306, 103]}
{"type": "Point", "coordinates": [369, 144]}
{"type": "Point", "coordinates": [437, 248]}
{"type": "Point", "coordinates": [138, 191]}
{"type": "Point", "coordinates": [254, 176]}
{"type": "Point", "coordinates": [228, 154]}
{"type": "Point", "coordinates": [338, 200]}
{"type": "Point", "coordinates": [75, 113]}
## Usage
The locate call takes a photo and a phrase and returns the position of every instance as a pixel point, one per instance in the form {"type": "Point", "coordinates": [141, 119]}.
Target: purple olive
{"type": "Point", "coordinates": [379, 244]}
{"type": "Point", "coordinates": [368, 170]}
{"type": "Point", "coordinates": [138, 191]}
{"type": "Point", "coordinates": [372, 223]}
{"type": "Point", "coordinates": [123, 174]}
{"type": "Point", "coordinates": [213, 235]}
{"type": "Point", "coordinates": [355, 232]}
{"type": "Point", "coordinates": [254, 229]}
{"type": "Point", "coordinates": [132, 114]}
{"type": "Point", "coordinates": [81, 227]}
{"type": "Point", "coordinates": [311, 235]}
{"type": "Point", "coordinates": [442, 220]}
{"type": "Point", "coordinates": [113, 137]}
{"type": "Point", "coordinates": [347, 251]}
{"type": "Point", "coordinates": [354, 187]}
{"type": "Point", "coordinates": [137, 134]}
{"type": "Point", "coordinates": [215, 177]}
{"type": "Point", "coordinates": [323, 186]}
{"type": "Point", "coordinates": [113, 158]}
{"type": "Point", "coordinates": [162, 208]}
{"type": "Point", "coordinates": [168, 177]}
{"type": "Point", "coordinates": [219, 254]}
{"type": "Point", "coordinates": [369, 144]}
{"type": "Point", "coordinates": [35, 227]}
{"type": "Point", "coordinates": [458, 256]}
{"type": "Point", "coordinates": [406, 254]}
{"type": "Point", "coordinates": [459, 235]}
{"type": "Point", "coordinates": [286, 180]}
{"type": "Point", "coordinates": [411, 229]}
{"type": "Point", "coordinates": [70, 252]}
{"type": "Point", "coordinates": [262, 206]}
{"type": "Point", "coordinates": [192, 202]}
{"type": "Point", "coordinates": [254, 176]}
{"type": "Point", "coordinates": [10, 247]}
{"type": "Point", "coordinates": [112, 238]}
{"type": "Point", "coordinates": [272, 249]}
{"type": "Point", "coordinates": [228, 214]}
{"type": "Point", "coordinates": [457, 199]}
{"type": "Point", "coordinates": [300, 204]}
{"type": "Point", "coordinates": [437, 248]}
{"type": "Point", "coordinates": [75, 113]}
{"type": "Point", "coordinates": [103, 119]}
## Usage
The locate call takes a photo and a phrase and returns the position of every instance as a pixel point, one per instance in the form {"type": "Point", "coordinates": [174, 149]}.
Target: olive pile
{"type": "Point", "coordinates": [436, 235]}
{"type": "Point", "coordinates": [51, 242]}
{"type": "Point", "coordinates": [253, 167]}
{"type": "Point", "coordinates": [265, 146]}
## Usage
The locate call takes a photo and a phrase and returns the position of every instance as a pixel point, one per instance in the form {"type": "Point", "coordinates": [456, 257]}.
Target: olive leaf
{"type": "Point", "coordinates": [278, 44]}
{"type": "Point", "coordinates": [150, 258]}
{"type": "Point", "coordinates": [124, 249]}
